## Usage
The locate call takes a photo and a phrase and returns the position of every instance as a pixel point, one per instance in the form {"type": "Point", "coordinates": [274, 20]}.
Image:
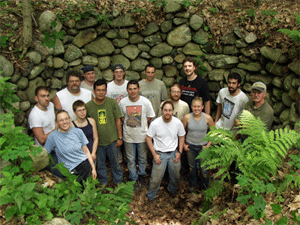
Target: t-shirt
{"type": "Point", "coordinates": [117, 92]}
{"type": "Point", "coordinates": [181, 108]}
{"type": "Point", "coordinates": [105, 116]}
{"type": "Point", "coordinates": [67, 99]}
{"type": "Point", "coordinates": [155, 91]}
{"type": "Point", "coordinates": [265, 113]}
{"type": "Point", "coordinates": [231, 106]}
{"type": "Point", "coordinates": [44, 119]}
{"type": "Point", "coordinates": [165, 135]}
{"type": "Point", "coordinates": [135, 119]}
{"type": "Point", "coordinates": [191, 89]}
{"type": "Point", "coordinates": [84, 85]}
{"type": "Point", "coordinates": [68, 147]}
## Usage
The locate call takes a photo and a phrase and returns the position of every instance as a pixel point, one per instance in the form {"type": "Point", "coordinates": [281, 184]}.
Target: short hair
{"type": "Point", "coordinates": [150, 65]}
{"type": "Point", "coordinates": [167, 102]}
{"type": "Point", "coordinates": [189, 59]}
{"type": "Point", "coordinates": [133, 82]}
{"type": "Point", "coordinates": [176, 85]}
{"type": "Point", "coordinates": [235, 76]}
{"type": "Point", "coordinates": [100, 82]}
{"type": "Point", "coordinates": [78, 103]}
{"type": "Point", "coordinates": [197, 98]}
{"type": "Point", "coordinates": [60, 112]}
{"type": "Point", "coordinates": [73, 73]}
{"type": "Point", "coordinates": [40, 88]}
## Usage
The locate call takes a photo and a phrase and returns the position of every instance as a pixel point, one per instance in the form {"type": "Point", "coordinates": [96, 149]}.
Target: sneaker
{"type": "Point", "coordinates": [136, 186]}
{"type": "Point", "coordinates": [142, 180]}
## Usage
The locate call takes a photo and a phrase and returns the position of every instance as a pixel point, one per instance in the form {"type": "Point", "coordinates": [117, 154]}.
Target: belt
{"type": "Point", "coordinates": [166, 152]}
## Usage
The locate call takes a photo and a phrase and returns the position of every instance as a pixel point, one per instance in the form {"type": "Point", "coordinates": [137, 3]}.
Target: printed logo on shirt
{"type": "Point", "coordinates": [227, 108]}
{"type": "Point", "coordinates": [102, 116]}
{"type": "Point", "coordinates": [134, 114]}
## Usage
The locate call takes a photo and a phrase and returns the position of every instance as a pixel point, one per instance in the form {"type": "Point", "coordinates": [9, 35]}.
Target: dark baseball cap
{"type": "Point", "coordinates": [118, 66]}
{"type": "Point", "coordinates": [87, 68]}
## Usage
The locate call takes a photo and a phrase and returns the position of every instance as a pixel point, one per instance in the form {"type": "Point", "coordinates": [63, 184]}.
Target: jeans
{"type": "Point", "coordinates": [132, 151]}
{"type": "Point", "coordinates": [158, 171]}
{"type": "Point", "coordinates": [193, 173]}
{"type": "Point", "coordinates": [82, 171]}
{"type": "Point", "coordinates": [112, 152]}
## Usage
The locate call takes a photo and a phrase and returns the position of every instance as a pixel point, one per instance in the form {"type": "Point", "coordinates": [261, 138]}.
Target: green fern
{"type": "Point", "coordinates": [293, 34]}
{"type": "Point", "coordinates": [258, 157]}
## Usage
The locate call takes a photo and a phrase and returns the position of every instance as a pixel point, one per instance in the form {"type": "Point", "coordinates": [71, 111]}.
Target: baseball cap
{"type": "Point", "coordinates": [259, 86]}
{"type": "Point", "coordinates": [87, 68]}
{"type": "Point", "coordinates": [118, 66]}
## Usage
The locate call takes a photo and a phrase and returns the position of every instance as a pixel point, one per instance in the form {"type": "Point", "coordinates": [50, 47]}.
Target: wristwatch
{"type": "Point", "coordinates": [121, 138]}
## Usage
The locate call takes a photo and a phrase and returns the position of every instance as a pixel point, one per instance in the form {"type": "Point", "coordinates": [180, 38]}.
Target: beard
{"type": "Point", "coordinates": [231, 91]}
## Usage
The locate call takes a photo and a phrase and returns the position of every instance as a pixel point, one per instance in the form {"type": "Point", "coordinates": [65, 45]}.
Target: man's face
{"type": "Point", "coordinates": [150, 73]}
{"type": "Point", "coordinates": [74, 84]}
{"type": "Point", "coordinates": [175, 93]}
{"type": "Point", "coordinates": [189, 68]}
{"type": "Point", "coordinates": [258, 96]}
{"type": "Point", "coordinates": [63, 121]}
{"type": "Point", "coordinates": [233, 85]}
{"type": "Point", "coordinates": [100, 92]}
{"type": "Point", "coordinates": [133, 90]}
{"type": "Point", "coordinates": [167, 111]}
{"type": "Point", "coordinates": [89, 76]}
{"type": "Point", "coordinates": [43, 98]}
{"type": "Point", "coordinates": [119, 74]}
{"type": "Point", "coordinates": [80, 112]}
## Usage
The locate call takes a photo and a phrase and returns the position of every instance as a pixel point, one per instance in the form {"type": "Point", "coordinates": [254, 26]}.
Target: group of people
{"type": "Point", "coordinates": [90, 121]}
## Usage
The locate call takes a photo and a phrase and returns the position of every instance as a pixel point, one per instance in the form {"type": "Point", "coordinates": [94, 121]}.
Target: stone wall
{"type": "Point", "coordinates": [87, 42]}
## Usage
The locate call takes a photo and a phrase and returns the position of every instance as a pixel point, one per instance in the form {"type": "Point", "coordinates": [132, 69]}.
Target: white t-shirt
{"type": "Point", "coordinates": [165, 135]}
{"type": "Point", "coordinates": [181, 108]}
{"type": "Point", "coordinates": [84, 85]}
{"type": "Point", "coordinates": [44, 119]}
{"type": "Point", "coordinates": [117, 92]}
{"type": "Point", "coordinates": [67, 99]}
{"type": "Point", "coordinates": [231, 106]}
{"type": "Point", "coordinates": [135, 114]}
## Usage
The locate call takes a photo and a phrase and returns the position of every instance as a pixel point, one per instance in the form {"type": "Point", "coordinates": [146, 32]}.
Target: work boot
{"type": "Point", "coordinates": [142, 180]}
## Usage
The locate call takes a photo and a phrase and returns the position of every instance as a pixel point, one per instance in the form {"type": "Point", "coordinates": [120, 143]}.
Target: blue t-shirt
{"type": "Point", "coordinates": [68, 147]}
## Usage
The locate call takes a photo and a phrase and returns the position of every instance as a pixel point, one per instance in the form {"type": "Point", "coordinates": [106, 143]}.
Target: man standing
{"type": "Point", "coordinates": [106, 112]}
{"type": "Point", "coordinates": [89, 77]}
{"type": "Point", "coordinates": [116, 89]}
{"type": "Point", "coordinates": [65, 98]}
{"type": "Point", "coordinates": [165, 132]}
{"type": "Point", "coordinates": [258, 105]}
{"type": "Point", "coordinates": [181, 108]}
{"type": "Point", "coordinates": [153, 89]}
{"type": "Point", "coordinates": [193, 85]}
{"type": "Point", "coordinates": [42, 116]}
{"type": "Point", "coordinates": [231, 101]}
{"type": "Point", "coordinates": [137, 112]}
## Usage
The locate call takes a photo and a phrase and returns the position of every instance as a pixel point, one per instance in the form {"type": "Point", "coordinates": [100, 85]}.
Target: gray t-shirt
{"type": "Point", "coordinates": [155, 91]}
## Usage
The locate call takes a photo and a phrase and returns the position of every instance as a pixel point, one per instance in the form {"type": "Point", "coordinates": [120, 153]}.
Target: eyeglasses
{"type": "Point", "coordinates": [74, 81]}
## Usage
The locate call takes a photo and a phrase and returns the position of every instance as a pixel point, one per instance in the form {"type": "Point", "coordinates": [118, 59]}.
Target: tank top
{"type": "Point", "coordinates": [196, 131]}
{"type": "Point", "coordinates": [88, 131]}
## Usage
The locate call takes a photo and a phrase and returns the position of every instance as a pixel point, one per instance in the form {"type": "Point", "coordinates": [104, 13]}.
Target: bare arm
{"type": "Point", "coordinates": [119, 130]}
{"type": "Point", "coordinates": [122, 120]}
{"type": "Point", "coordinates": [95, 138]}
{"type": "Point", "coordinates": [56, 102]}
{"type": "Point", "coordinates": [207, 107]}
{"type": "Point", "coordinates": [87, 152]}
{"type": "Point", "coordinates": [219, 111]}
{"type": "Point", "coordinates": [40, 135]}
{"type": "Point", "coordinates": [185, 122]}
{"type": "Point", "coordinates": [180, 149]}
{"type": "Point", "coordinates": [148, 120]}
{"type": "Point", "coordinates": [156, 157]}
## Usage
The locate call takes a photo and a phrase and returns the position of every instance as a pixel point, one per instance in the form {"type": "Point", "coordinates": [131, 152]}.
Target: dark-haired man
{"type": "Point", "coordinates": [137, 112]}
{"type": "Point", "coordinates": [42, 116]}
{"type": "Point", "coordinates": [153, 89]}
{"type": "Point", "coordinates": [193, 85]}
{"type": "Point", "coordinates": [65, 98]}
{"type": "Point", "coordinates": [167, 133]}
{"type": "Point", "coordinates": [231, 101]}
{"type": "Point", "coordinates": [106, 112]}
{"type": "Point", "coordinates": [88, 77]}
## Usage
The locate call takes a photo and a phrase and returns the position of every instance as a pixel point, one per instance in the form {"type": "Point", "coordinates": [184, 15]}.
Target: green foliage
{"type": "Point", "coordinates": [216, 188]}
{"type": "Point", "coordinates": [50, 38]}
{"type": "Point", "coordinates": [7, 94]}
{"type": "Point", "coordinates": [269, 12]}
{"type": "Point", "coordinates": [159, 3]}
{"type": "Point", "coordinates": [251, 13]}
{"type": "Point", "coordinates": [4, 41]}
{"type": "Point", "coordinates": [188, 3]}
{"type": "Point", "coordinates": [293, 34]}
{"type": "Point", "coordinates": [213, 10]}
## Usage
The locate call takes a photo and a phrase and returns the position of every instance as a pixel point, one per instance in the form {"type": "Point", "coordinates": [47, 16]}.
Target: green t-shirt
{"type": "Point", "coordinates": [105, 116]}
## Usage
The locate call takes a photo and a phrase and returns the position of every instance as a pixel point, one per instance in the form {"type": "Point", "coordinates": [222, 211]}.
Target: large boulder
{"type": "Point", "coordinates": [273, 54]}
{"type": "Point", "coordinates": [139, 64]}
{"type": "Point", "coordinates": [41, 160]}
{"type": "Point", "coordinates": [72, 53]}
{"type": "Point", "coordinates": [84, 37]}
{"type": "Point", "coordinates": [85, 23]}
{"type": "Point", "coordinates": [123, 21]}
{"type": "Point", "coordinates": [6, 67]}
{"type": "Point", "coordinates": [173, 6]}
{"type": "Point", "coordinates": [120, 59]}
{"type": "Point", "coordinates": [161, 50]}
{"type": "Point", "coordinates": [196, 22]}
{"type": "Point", "coordinates": [180, 36]}
{"type": "Point", "coordinates": [192, 49]}
{"type": "Point", "coordinates": [101, 46]}
{"type": "Point", "coordinates": [130, 51]}
{"type": "Point", "coordinates": [151, 28]}
{"type": "Point", "coordinates": [222, 61]}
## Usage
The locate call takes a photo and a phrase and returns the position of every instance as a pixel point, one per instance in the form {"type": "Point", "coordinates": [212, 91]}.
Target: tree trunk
{"type": "Point", "coordinates": [27, 25]}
